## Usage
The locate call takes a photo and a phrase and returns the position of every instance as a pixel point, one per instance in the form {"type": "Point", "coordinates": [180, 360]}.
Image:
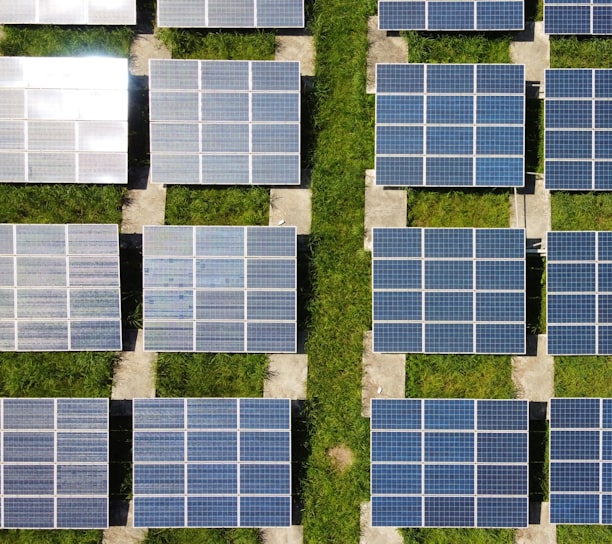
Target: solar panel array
{"type": "Point", "coordinates": [63, 120]}
{"type": "Point", "coordinates": [449, 463]}
{"type": "Point", "coordinates": [581, 461]}
{"type": "Point", "coordinates": [456, 125]}
{"type": "Point", "coordinates": [579, 293]}
{"type": "Point", "coordinates": [225, 122]}
{"type": "Point", "coordinates": [54, 463]}
{"type": "Point", "coordinates": [449, 290]}
{"type": "Point", "coordinates": [68, 12]}
{"type": "Point", "coordinates": [235, 14]}
{"type": "Point", "coordinates": [450, 15]}
{"type": "Point", "coordinates": [578, 129]}
{"type": "Point", "coordinates": [212, 462]}
{"type": "Point", "coordinates": [578, 17]}
{"type": "Point", "coordinates": [59, 288]}
{"type": "Point", "coordinates": [220, 289]}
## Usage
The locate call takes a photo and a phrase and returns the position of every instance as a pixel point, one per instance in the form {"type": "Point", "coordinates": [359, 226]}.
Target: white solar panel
{"type": "Point", "coordinates": [63, 120]}
{"type": "Point", "coordinates": [59, 288]}
{"type": "Point", "coordinates": [68, 12]}
{"type": "Point", "coordinates": [225, 122]}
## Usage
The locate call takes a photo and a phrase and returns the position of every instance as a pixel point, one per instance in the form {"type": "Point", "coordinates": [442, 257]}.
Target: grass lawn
{"type": "Point", "coordinates": [581, 211]}
{"type": "Point", "coordinates": [580, 52]}
{"type": "Point", "coordinates": [431, 47]}
{"type": "Point", "coordinates": [583, 376]}
{"type": "Point", "coordinates": [50, 537]}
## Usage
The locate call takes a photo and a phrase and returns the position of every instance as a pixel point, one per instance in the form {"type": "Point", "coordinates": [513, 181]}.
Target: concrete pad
{"type": "Point", "coordinates": [143, 48]}
{"type": "Point", "coordinates": [382, 48]}
{"type": "Point", "coordinates": [127, 534]}
{"type": "Point", "coordinates": [532, 48]}
{"type": "Point", "coordinates": [530, 209]}
{"type": "Point", "coordinates": [134, 375]}
{"type": "Point", "coordinates": [287, 373]}
{"type": "Point", "coordinates": [145, 204]}
{"type": "Point", "coordinates": [540, 532]}
{"type": "Point", "coordinates": [384, 375]}
{"type": "Point", "coordinates": [283, 535]}
{"type": "Point", "coordinates": [291, 207]}
{"type": "Point", "coordinates": [534, 374]}
{"type": "Point", "coordinates": [297, 47]}
{"type": "Point", "coordinates": [384, 207]}
{"type": "Point", "coordinates": [376, 535]}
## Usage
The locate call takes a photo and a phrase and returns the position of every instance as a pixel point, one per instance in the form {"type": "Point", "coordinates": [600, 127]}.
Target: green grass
{"type": "Point", "coordinates": [581, 211]}
{"type": "Point", "coordinates": [203, 536]}
{"type": "Point", "coordinates": [585, 534]}
{"type": "Point", "coordinates": [54, 41]}
{"type": "Point", "coordinates": [58, 203]}
{"type": "Point", "coordinates": [458, 536]}
{"type": "Point", "coordinates": [580, 52]}
{"type": "Point", "coordinates": [583, 376]}
{"type": "Point", "coordinates": [50, 537]}
{"type": "Point", "coordinates": [458, 208]}
{"type": "Point", "coordinates": [458, 48]}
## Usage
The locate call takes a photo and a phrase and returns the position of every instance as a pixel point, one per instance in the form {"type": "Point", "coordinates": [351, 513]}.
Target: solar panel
{"type": "Point", "coordinates": [579, 293]}
{"type": "Point", "coordinates": [59, 288]}
{"type": "Point", "coordinates": [450, 15]}
{"type": "Point", "coordinates": [225, 122]}
{"type": "Point", "coordinates": [72, 12]}
{"type": "Point", "coordinates": [235, 14]}
{"type": "Point", "coordinates": [578, 17]}
{"type": "Point", "coordinates": [580, 461]}
{"type": "Point", "coordinates": [578, 129]}
{"type": "Point", "coordinates": [448, 290]}
{"type": "Point", "coordinates": [54, 463]}
{"type": "Point", "coordinates": [212, 462]}
{"type": "Point", "coordinates": [220, 289]}
{"type": "Point", "coordinates": [449, 463]}
{"type": "Point", "coordinates": [456, 125]}
{"type": "Point", "coordinates": [63, 120]}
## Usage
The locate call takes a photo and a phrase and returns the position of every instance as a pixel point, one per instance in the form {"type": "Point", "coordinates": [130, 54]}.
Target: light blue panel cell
{"type": "Point", "coordinates": [265, 479]}
{"type": "Point", "coordinates": [265, 511]}
{"type": "Point", "coordinates": [574, 445]}
{"type": "Point", "coordinates": [571, 246]}
{"type": "Point", "coordinates": [159, 479]}
{"type": "Point", "coordinates": [500, 338]}
{"type": "Point", "coordinates": [503, 512]}
{"type": "Point", "coordinates": [159, 414]}
{"type": "Point", "coordinates": [36, 414]}
{"type": "Point", "coordinates": [168, 304]}
{"type": "Point", "coordinates": [168, 273]}
{"type": "Point", "coordinates": [500, 307]}
{"type": "Point", "coordinates": [212, 414]}
{"type": "Point", "coordinates": [225, 138]}
{"type": "Point", "coordinates": [450, 15]}
{"type": "Point", "coordinates": [503, 480]}
{"type": "Point", "coordinates": [175, 137]}
{"type": "Point", "coordinates": [95, 303]}
{"type": "Point", "coordinates": [502, 415]}
{"type": "Point", "coordinates": [174, 74]}
{"type": "Point", "coordinates": [7, 304]}
{"type": "Point", "coordinates": [42, 335]}
{"type": "Point", "coordinates": [33, 447]}
{"type": "Point", "coordinates": [447, 306]}
{"type": "Point", "coordinates": [7, 271]}
{"type": "Point", "coordinates": [225, 170]}
{"type": "Point", "coordinates": [500, 110]}
{"type": "Point", "coordinates": [449, 171]}
{"type": "Point", "coordinates": [451, 274]}
{"type": "Point", "coordinates": [574, 508]}
{"type": "Point", "coordinates": [265, 446]}
{"type": "Point", "coordinates": [212, 511]}
{"type": "Point", "coordinates": [219, 273]}
{"type": "Point", "coordinates": [95, 335]}
{"type": "Point", "coordinates": [442, 338]}
{"type": "Point", "coordinates": [570, 278]}
{"type": "Point", "coordinates": [449, 140]}
{"type": "Point", "coordinates": [399, 140]}
{"type": "Point", "coordinates": [400, 78]}
{"type": "Point", "coordinates": [570, 308]}
{"type": "Point", "coordinates": [85, 414]}
{"type": "Point", "coordinates": [210, 478]}
{"type": "Point", "coordinates": [449, 414]}
{"type": "Point", "coordinates": [224, 107]}
{"type": "Point", "coordinates": [569, 175]}
{"type": "Point", "coordinates": [264, 414]}
{"type": "Point", "coordinates": [399, 109]}
{"type": "Point", "coordinates": [40, 239]}
{"type": "Point", "coordinates": [219, 305]}
{"type": "Point", "coordinates": [93, 271]}
{"type": "Point", "coordinates": [276, 169]}
{"type": "Point", "coordinates": [449, 511]}
{"type": "Point", "coordinates": [571, 340]}
{"type": "Point", "coordinates": [396, 414]}
{"type": "Point", "coordinates": [271, 274]}
{"type": "Point", "coordinates": [271, 242]}
{"type": "Point", "coordinates": [495, 140]}
{"type": "Point", "coordinates": [397, 338]}
{"type": "Point", "coordinates": [603, 114]}
{"type": "Point", "coordinates": [399, 171]}
{"type": "Point", "coordinates": [219, 337]}
{"type": "Point", "coordinates": [219, 242]}
{"type": "Point", "coordinates": [82, 513]}
{"type": "Point", "coordinates": [159, 512]}
{"type": "Point", "coordinates": [569, 144]}
{"type": "Point", "coordinates": [212, 446]}
{"type": "Point", "coordinates": [400, 479]}
{"type": "Point", "coordinates": [446, 243]}
{"type": "Point", "coordinates": [275, 138]}
{"type": "Point", "coordinates": [175, 169]}
{"type": "Point", "coordinates": [275, 107]}
{"type": "Point", "coordinates": [28, 479]}
{"type": "Point", "coordinates": [28, 512]}
{"type": "Point", "coordinates": [223, 75]}
{"type": "Point", "coordinates": [397, 511]}
{"type": "Point", "coordinates": [396, 446]}
{"type": "Point", "coordinates": [449, 479]}
{"type": "Point", "coordinates": [450, 78]}
{"type": "Point", "coordinates": [397, 306]}
{"type": "Point", "coordinates": [290, 13]}
{"type": "Point", "coordinates": [275, 76]}
{"type": "Point", "coordinates": [7, 336]}
{"type": "Point", "coordinates": [449, 447]}
{"type": "Point", "coordinates": [237, 13]}
{"type": "Point", "coordinates": [159, 446]}
{"type": "Point", "coordinates": [575, 413]}
{"type": "Point", "coordinates": [41, 271]}
{"type": "Point", "coordinates": [394, 274]}
{"type": "Point", "coordinates": [450, 110]}
{"type": "Point", "coordinates": [500, 172]}
{"type": "Point", "coordinates": [82, 479]}
{"type": "Point", "coordinates": [573, 477]}
{"type": "Point", "coordinates": [173, 106]}
{"type": "Point", "coordinates": [502, 447]}
{"type": "Point", "coordinates": [396, 242]}
{"type": "Point", "coordinates": [568, 114]}
{"type": "Point", "coordinates": [7, 243]}
{"type": "Point", "coordinates": [488, 17]}
{"type": "Point", "coordinates": [82, 447]}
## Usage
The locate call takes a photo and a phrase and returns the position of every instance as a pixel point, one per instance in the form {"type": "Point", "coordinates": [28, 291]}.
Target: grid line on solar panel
{"type": "Point", "coordinates": [225, 122]}
{"type": "Point", "coordinates": [59, 288]}
{"type": "Point", "coordinates": [244, 14]}
{"type": "Point", "coordinates": [578, 17]}
{"type": "Point", "coordinates": [580, 460]}
{"type": "Point", "coordinates": [428, 455]}
{"type": "Point", "coordinates": [54, 463]}
{"type": "Point", "coordinates": [220, 289]}
{"type": "Point", "coordinates": [579, 293]}
{"type": "Point", "coordinates": [450, 125]}
{"type": "Point", "coordinates": [75, 12]}
{"type": "Point", "coordinates": [63, 120]}
{"type": "Point", "coordinates": [578, 129]}
{"type": "Point", "coordinates": [448, 290]}
{"type": "Point", "coordinates": [450, 15]}
{"type": "Point", "coordinates": [212, 462]}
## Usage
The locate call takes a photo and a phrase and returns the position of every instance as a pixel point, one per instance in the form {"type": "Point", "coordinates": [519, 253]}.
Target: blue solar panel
{"type": "Point", "coordinates": [54, 463]}
{"type": "Point", "coordinates": [579, 301]}
{"type": "Point", "coordinates": [578, 133]}
{"type": "Point", "coordinates": [450, 125]}
{"type": "Point", "coordinates": [577, 17]}
{"type": "Point", "coordinates": [212, 462]}
{"type": "Point", "coordinates": [449, 290]}
{"type": "Point", "coordinates": [450, 15]}
{"type": "Point", "coordinates": [435, 463]}
{"type": "Point", "coordinates": [220, 289]}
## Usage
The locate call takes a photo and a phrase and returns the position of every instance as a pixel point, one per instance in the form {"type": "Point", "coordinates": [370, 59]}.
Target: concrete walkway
{"type": "Point", "coordinates": [532, 48]}
{"type": "Point", "coordinates": [376, 535]}
{"type": "Point", "coordinates": [297, 46]}
{"type": "Point", "coordinates": [291, 207]}
{"type": "Point", "coordinates": [530, 210]}
{"type": "Point", "coordinates": [134, 375]}
{"type": "Point", "coordinates": [542, 532]}
{"type": "Point", "coordinates": [283, 535]}
{"type": "Point", "coordinates": [125, 535]}
{"type": "Point", "coordinates": [287, 373]}
{"type": "Point", "coordinates": [145, 47]}
{"type": "Point", "coordinates": [382, 48]}
{"type": "Point", "coordinates": [533, 374]}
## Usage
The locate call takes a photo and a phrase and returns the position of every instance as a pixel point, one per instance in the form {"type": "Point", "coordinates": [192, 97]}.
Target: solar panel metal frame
{"type": "Point", "coordinates": [594, 131]}
{"type": "Point", "coordinates": [573, 327]}
{"type": "Point", "coordinates": [412, 18]}
{"type": "Point", "coordinates": [111, 15]}
{"type": "Point", "coordinates": [191, 318]}
{"type": "Point", "coordinates": [53, 271]}
{"type": "Point", "coordinates": [233, 431]}
{"type": "Point", "coordinates": [230, 131]}
{"type": "Point", "coordinates": [55, 430]}
{"type": "Point", "coordinates": [63, 120]}
{"type": "Point", "coordinates": [425, 127]}
{"type": "Point", "coordinates": [572, 20]}
{"type": "Point", "coordinates": [422, 291]}
{"type": "Point", "coordinates": [421, 462]}
{"type": "Point", "coordinates": [578, 435]}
